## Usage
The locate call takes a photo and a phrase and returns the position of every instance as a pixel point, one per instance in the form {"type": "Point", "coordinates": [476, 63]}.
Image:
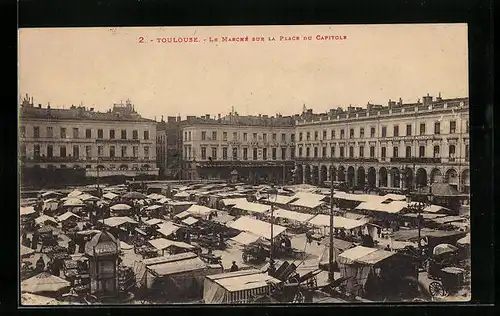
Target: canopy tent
{"type": "Point", "coordinates": [153, 207]}
{"type": "Point", "coordinates": [154, 221]}
{"type": "Point", "coordinates": [29, 299]}
{"type": "Point", "coordinates": [167, 229]}
{"type": "Point", "coordinates": [393, 207]}
{"type": "Point", "coordinates": [134, 196]}
{"type": "Point", "coordinates": [245, 238]}
{"type": "Point", "coordinates": [309, 196]}
{"type": "Point", "coordinates": [118, 221]}
{"type": "Point", "coordinates": [321, 220]}
{"type": "Point", "coordinates": [448, 219]}
{"type": "Point", "coordinates": [110, 195]}
{"type": "Point", "coordinates": [443, 248]}
{"type": "Point", "coordinates": [44, 282]}
{"type": "Point", "coordinates": [125, 246]}
{"type": "Point", "coordinates": [412, 234]}
{"type": "Point", "coordinates": [252, 207]}
{"type": "Point", "coordinates": [50, 194]}
{"type": "Point", "coordinates": [73, 202]}
{"type": "Point", "coordinates": [25, 251]}
{"type": "Point", "coordinates": [256, 227]}
{"type": "Point", "coordinates": [162, 244]}
{"type": "Point", "coordinates": [44, 218]}
{"type": "Point", "coordinates": [163, 200]}
{"type": "Point", "coordinates": [182, 194]}
{"type": "Point", "coordinates": [87, 197]}
{"type": "Point", "coordinates": [395, 197]}
{"type": "Point", "coordinates": [27, 210]}
{"type": "Point", "coordinates": [174, 264]}
{"type": "Point", "coordinates": [307, 203]}
{"type": "Point", "coordinates": [75, 193]}
{"type": "Point", "coordinates": [120, 207]}
{"type": "Point", "coordinates": [465, 240]}
{"type": "Point", "coordinates": [190, 221]}
{"type": "Point", "coordinates": [296, 216]}
{"type": "Point", "coordinates": [237, 287]}
{"type": "Point", "coordinates": [195, 210]}
{"type": "Point", "coordinates": [232, 202]}
{"type": "Point", "coordinates": [66, 216]}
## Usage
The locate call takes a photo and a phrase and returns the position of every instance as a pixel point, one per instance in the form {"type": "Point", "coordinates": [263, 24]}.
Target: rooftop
{"type": "Point", "coordinates": [119, 112]}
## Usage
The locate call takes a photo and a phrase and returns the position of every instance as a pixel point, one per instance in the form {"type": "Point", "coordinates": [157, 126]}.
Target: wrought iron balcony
{"type": "Point", "coordinates": [417, 160]}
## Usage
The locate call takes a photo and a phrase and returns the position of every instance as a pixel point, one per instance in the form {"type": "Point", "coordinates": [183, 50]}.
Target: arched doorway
{"type": "Point", "coordinates": [382, 175]}
{"type": "Point", "coordinates": [350, 176]}
{"type": "Point", "coordinates": [307, 174]}
{"type": "Point", "coordinates": [341, 174]}
{"type": "Point", "coordinates": [299, 173]}
{"type": "Point", "coordinates": [465, 181]}
{"type": "Point", "coordinates": [315, 175]}
{"type": "Point", "coordinates": [395, 177]}
{"type": "Point", "coordinates": [436, 175]}
{"type": "Point", "coordinates": [421, 178]}
{"type": "Point", "coordinates": [323, 174]}
{"type": "Point", "coordinates": [361, 177]}
{"type": "Point", "coordinates": [372, 177]}
{"type": "Point", "coordinates": [451, 177]}
{"type": "Point", "coordinates": [408, 178]}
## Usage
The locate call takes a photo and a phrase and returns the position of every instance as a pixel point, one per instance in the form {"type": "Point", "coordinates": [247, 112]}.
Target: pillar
{"type": "Point", "coordinates": [377, 179]}
{"type": "Point", "coordinates": [389, 179]}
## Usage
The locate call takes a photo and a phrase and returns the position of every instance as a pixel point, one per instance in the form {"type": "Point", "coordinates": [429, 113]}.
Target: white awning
{"type": "Point", "coordinates": [245, 238]}
{"type": "Point", "coordinates": [252, 207]}
{"type": "Point", "coordinates": [167, 229]}
{"type": "Point", "coordinates": [392, 207]}
{"type": "Point", "coordinates": [162, 243]}
{"type": "Point", "coordinates": [296, 216]}
{"type": "Point", "coordinates": [67, 215]}
{"type": "Point", "coordinates": [190, 221]}
{"type": "Point", "coordinates": [27, 210]}
{"type": "Point", "coordinates": [256, 227]}
{"type": "Point", "coordinates": [322, 220]}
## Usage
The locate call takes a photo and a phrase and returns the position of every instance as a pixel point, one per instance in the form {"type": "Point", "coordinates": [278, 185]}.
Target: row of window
{"type": "Point", "coordinates": [437, 131]}
{"type": "Point", "coordinates": [76, 133]}
{"type": "Point", "coordinates": [88, 151]}
{"type": "Point", "coordinates": [110, 167]}
{"type": "Point", "coordinates": [235, 156]}
{"type": "Point", "coordinates": [383, 152]}
{"type": "Point", "coordinates": [236, 136]}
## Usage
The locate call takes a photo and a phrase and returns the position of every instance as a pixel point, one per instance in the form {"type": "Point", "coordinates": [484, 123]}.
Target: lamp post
{"type": "Point", "coordinates": [330, 262]}
{"type": "Point", "coordinates": [418, 208]}
{"type": "Point", "coordinates": [272, 195]}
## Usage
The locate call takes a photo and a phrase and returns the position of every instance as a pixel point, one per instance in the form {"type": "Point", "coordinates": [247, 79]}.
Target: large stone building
{"type": "Point", "coordinates": [244, 148]}
{"type": "Point", "coordinates": [397, 146]}
{"type": "Point", "coordinates": [80, 142]}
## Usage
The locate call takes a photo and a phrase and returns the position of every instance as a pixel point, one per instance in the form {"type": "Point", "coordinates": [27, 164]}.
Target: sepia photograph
{"type": "Point", "coordinates": [244, 165]}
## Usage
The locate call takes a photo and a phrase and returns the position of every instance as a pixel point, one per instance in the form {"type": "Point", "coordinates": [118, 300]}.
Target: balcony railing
{"type": "Point", "coordinates": [245, 163]}
{"type": "Point", "coordinates": [416, 160]}
{"type": "Point", "coordinates": [338, 159]}
{"type": "Point", "coordinates": [119, 140]}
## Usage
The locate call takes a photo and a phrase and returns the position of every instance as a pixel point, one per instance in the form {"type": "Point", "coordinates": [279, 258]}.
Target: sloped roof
{"type": "Point", "coordinates": [338, 222]}
{"type": "Point", "coordinates": [256, 227]}
{"type": "Point", "coordinates": [102, 243]}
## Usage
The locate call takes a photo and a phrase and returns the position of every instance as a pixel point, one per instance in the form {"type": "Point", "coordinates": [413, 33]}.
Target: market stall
{"type": "Point", "coordinates": [237, 287]}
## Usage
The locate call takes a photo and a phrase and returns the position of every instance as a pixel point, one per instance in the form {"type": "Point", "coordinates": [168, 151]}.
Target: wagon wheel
{"type": "Point", "coordinates": [312, 283]}
{"type": "Point", "coordinates": [436, 289]}
{"type": "Point", "coordinates": [298, 298]}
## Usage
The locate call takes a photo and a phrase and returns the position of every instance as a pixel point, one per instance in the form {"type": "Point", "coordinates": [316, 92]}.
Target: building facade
{"type": "Point", "coordinates": [82, 141]}
{"type": "Point", "coordinates": [246, 148]}
{"type": "Point", "coordinates": [397, 146]}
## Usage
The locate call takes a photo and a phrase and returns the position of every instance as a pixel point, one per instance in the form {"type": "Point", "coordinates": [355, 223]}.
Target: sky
{"type": "Point", "coordinates": [97, 67]}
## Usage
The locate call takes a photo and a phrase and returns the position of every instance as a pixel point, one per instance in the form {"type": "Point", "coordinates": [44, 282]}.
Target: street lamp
{"type": "Point", "coordinates": [272, 195]}
{"type": "Point", "coordinates": [330, 261]}
{"type": "Point", "coordinates": [418, 207]}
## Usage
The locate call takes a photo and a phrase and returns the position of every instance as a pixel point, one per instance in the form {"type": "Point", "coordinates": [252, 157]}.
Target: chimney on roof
{"type": "Point", "coordinates": [439, 97]}
{"type": "Point", "coordinates": [39, 106]}
{"type": "Point", "coordinates": [218, 116]}
{"type": "Point", "coordinates": [91, 109]}
{"type": "Point", "coordinates": [178, 118]}
{"type": "Point", "coordinates": [207, 116]}
{"type": "Point", "coordinates": [427, 99]}
{"type": "Point", "coordinates": [400, 102]}
{"type": "Point", "coordinates": [162, 118]}
{"type": "Point", "coordinates": [391, 103]}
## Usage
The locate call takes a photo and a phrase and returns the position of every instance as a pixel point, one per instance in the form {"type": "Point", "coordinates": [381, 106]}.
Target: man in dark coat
{"type": "Point", "coordinates": [40, 264]}
{"type": "Point", "coordinates": [234, 267]}
{"type": "Point", "coordinates": [34, 241]}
